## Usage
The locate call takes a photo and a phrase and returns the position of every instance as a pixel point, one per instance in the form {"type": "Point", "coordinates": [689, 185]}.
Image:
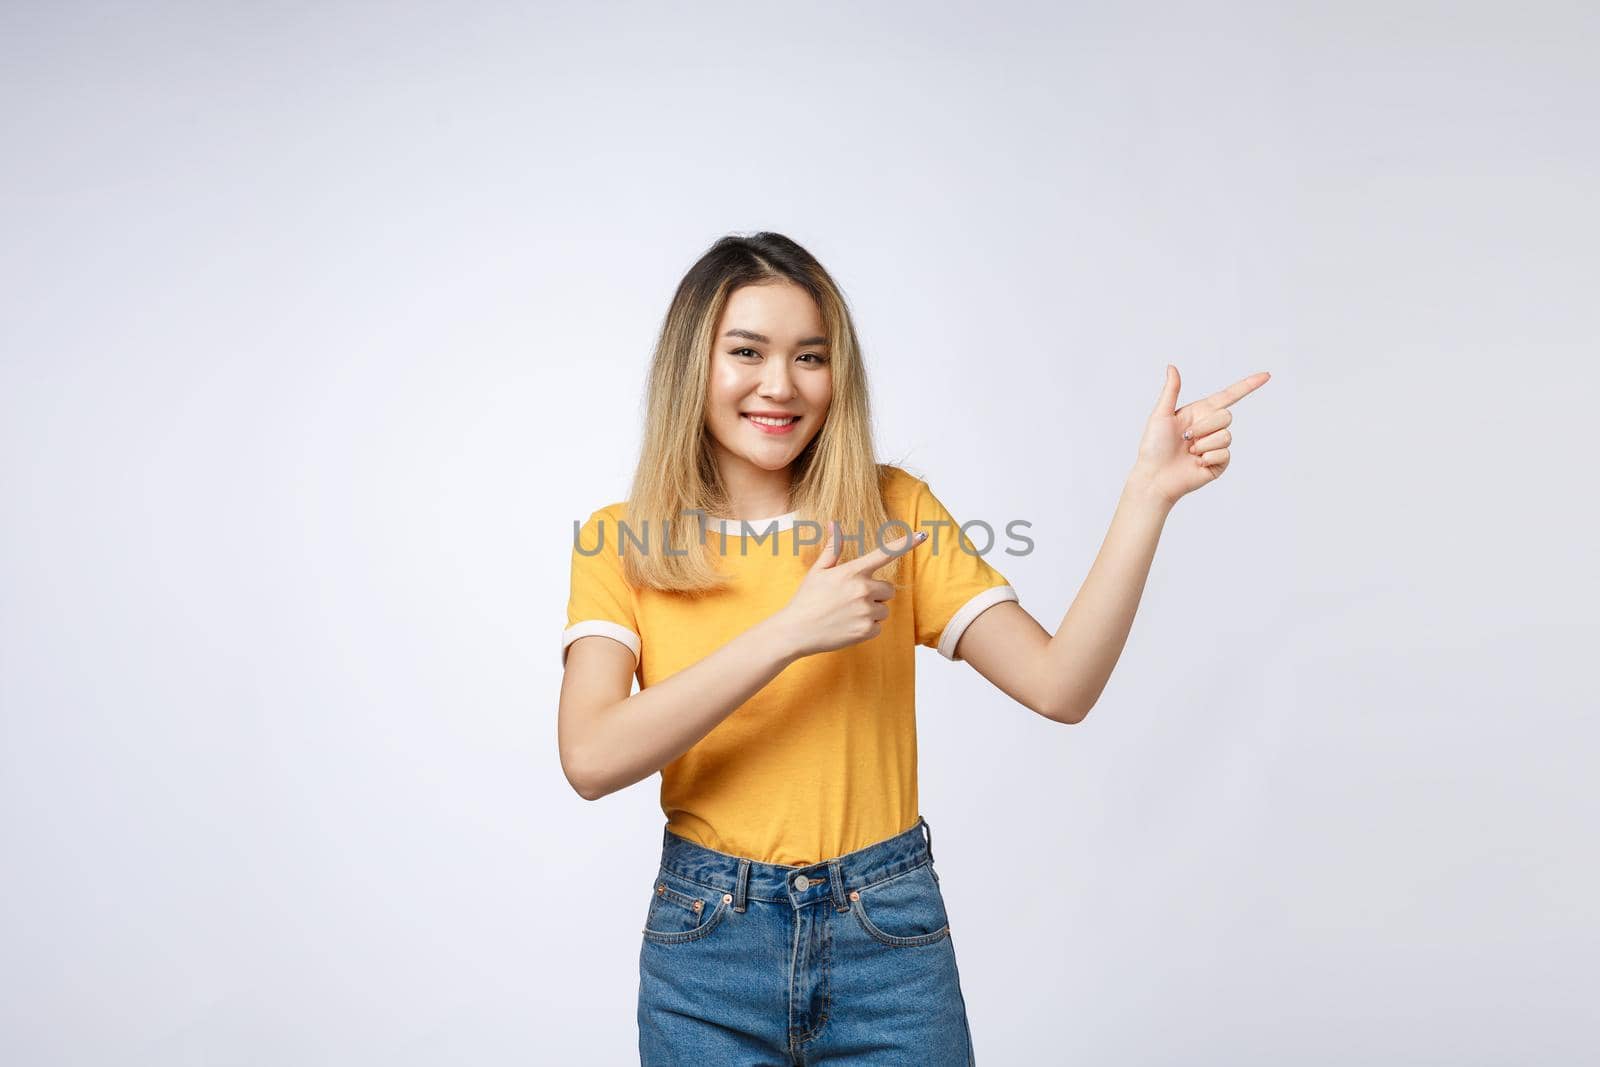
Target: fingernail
{"type": "Point", "coordinates": [922, 535]}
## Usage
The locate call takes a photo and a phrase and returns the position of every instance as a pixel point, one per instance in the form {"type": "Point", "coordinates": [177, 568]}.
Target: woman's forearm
{"type": "Point", "coordinates": [1083, 652]}
{"type": "Point", "coordinates": [639, 735]}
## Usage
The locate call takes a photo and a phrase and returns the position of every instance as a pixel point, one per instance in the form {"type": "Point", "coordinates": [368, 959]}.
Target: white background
{"type": "Point", "coordinates": [322, 323]}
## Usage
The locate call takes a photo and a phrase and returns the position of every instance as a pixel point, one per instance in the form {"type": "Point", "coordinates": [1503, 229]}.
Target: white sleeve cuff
{"type": "Point", "coordinates": [600, 628]}
{"type": "Point", "coordinates": [959, 622]}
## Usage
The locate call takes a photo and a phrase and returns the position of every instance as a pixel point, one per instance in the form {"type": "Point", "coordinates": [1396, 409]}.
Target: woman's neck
{"type": "Point", "coordinates": [754, 493]}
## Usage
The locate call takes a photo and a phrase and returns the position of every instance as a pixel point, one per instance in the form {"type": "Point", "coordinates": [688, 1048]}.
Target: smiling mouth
{"type": "Point", "coordinates": [763, 420]}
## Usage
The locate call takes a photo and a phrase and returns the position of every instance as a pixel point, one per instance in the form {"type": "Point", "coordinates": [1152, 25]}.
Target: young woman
{"type": "Point", "coordinates": [766, 582]}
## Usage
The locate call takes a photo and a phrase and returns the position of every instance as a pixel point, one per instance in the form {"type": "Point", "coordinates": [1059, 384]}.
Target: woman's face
{"type": "Point", "coordinates": [770, 356]}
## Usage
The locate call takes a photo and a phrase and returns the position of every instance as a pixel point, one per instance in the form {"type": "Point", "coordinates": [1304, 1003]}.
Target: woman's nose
{"type": "Point", "coordinates": [776, 381]}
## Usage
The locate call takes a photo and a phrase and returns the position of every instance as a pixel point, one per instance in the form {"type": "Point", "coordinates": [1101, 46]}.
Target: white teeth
{"type": "Point", "coordinates": [772, 422]}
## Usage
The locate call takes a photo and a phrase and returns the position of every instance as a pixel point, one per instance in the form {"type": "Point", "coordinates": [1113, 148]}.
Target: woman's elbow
{"type": "Point", "coordinates": [583, 783]}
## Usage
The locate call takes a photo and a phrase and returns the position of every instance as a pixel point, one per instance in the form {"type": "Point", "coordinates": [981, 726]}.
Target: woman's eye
{"type": "Point", "coordinates": [814, 357]}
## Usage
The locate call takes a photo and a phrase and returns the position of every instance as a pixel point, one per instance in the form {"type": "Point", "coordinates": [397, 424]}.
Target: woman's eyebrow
{"type": "Point", "coordinates": [751, 335]}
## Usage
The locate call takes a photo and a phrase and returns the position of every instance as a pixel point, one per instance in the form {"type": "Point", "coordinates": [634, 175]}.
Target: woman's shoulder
{"type": "Point", "coordinates": [612, 511]}
{"type": "Point", "coordinates": [606, 521]}
{"type": "Point", "coordinates": [900, 486]}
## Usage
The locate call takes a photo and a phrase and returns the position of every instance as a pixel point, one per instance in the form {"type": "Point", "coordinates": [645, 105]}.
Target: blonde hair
{"type": "Point", "coordinates": [836, 476]}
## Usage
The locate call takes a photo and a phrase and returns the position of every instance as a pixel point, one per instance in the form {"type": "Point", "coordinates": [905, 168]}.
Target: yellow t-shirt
{"type": "Point", "coordinates": [823, 759]}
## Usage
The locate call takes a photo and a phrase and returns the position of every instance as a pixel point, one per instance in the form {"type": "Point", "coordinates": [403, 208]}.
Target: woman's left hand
{"type": "Point", "coordinates": [1185, 448]}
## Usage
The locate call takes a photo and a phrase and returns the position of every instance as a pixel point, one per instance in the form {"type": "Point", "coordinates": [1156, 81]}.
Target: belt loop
{"type": "Point", "coordinates": [836, 876]}
{"type": "Point", "coordinates": [740, 882]}
{"type": "Point", "coordinates": [928, 832]}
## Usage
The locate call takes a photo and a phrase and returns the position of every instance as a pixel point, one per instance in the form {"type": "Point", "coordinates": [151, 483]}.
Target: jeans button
{"type": "Point", "coordinates": [802, 883]}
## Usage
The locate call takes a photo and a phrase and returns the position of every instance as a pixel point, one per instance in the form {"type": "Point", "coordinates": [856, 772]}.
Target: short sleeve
{"type": "Point", "coordinates": [601, 602]}
{"type": "Point", "coordinates": [951, 583]}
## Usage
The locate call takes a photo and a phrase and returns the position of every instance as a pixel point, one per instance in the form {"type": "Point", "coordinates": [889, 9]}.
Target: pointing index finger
{"type": "Point", "coordinates": [1232, 394]}
{"type": "Point", "coordinates": [871, 561]}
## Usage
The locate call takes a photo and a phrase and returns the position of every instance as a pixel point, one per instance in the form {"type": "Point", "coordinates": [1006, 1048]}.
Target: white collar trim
{"type": "Point", "coordinates": [738, 527]}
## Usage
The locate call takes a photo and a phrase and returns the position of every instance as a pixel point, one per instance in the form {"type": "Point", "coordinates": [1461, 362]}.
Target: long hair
{"type": "Point", "coordinates": [837, 475]}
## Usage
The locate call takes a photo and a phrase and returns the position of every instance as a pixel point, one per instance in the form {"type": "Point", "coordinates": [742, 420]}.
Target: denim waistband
{"type": "Point", "coordinates": [748, 879]}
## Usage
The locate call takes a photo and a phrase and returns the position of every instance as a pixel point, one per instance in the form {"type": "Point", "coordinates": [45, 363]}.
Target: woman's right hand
{"type": "Point", "coordinates": [841, 604]}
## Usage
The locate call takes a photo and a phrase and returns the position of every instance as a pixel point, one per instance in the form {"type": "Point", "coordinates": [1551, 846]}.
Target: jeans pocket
{"type": "Point", "coordinates": [681, 910]}
{"type": "Point", "coordinates": [905, 910]}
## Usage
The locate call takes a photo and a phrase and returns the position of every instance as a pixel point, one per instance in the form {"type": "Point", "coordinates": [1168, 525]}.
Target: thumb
{"type": "Point", "coordinates": [830, 550]}
{"type": "Point", "coordinates": [1167, 402]}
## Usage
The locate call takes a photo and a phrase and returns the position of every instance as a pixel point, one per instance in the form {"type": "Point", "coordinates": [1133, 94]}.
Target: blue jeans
{"type": "Point", "coordinates": [844, 961]}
